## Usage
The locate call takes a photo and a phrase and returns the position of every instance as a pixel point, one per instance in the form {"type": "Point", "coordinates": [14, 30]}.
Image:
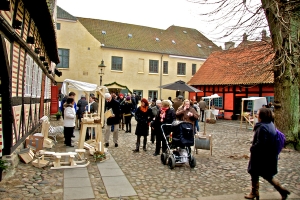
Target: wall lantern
{"type": "Point", "coordinates": [42, 58]}
{"type": "Point", "coordinates": [37, 50]}
{"type": "Point", "coordinates": [17, 24]}
{"type": "Point", "coordinates": [30, 40]}
{"type": "Point", "coordinates": [5, 5]}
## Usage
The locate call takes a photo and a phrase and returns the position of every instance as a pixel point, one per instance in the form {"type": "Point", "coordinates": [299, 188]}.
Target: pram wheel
{"type": "Point", "coordinates": [171, 162]}
{"type": "Point", "coordinates": [192, 162]}
{"type": "Point", "coordinates": [163, 158]}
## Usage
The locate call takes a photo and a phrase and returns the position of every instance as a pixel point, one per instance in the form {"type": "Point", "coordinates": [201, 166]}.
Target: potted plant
{"type": "Point", "coordinates": [99, 156]}
{"type": "Point", "coordinates": [58, 115]}
{"type": "Point", "coordinates": [3, 166]}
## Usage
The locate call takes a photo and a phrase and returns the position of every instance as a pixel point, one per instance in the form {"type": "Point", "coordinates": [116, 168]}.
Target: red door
{"type": "Point", "coordinates": [54, 100]}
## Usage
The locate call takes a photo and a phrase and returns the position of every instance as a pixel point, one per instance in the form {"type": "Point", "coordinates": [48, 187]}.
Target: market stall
{"type": "Point", "coordinates": [250, 118]}
{"type": "Point", "coordinates": [89, 120]}
{"type": "Point", "coordinates": [211, 113]}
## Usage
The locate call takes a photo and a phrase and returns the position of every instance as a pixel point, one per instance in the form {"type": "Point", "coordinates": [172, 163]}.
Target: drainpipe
{"type": "Point", "coordinates": [160, 78]}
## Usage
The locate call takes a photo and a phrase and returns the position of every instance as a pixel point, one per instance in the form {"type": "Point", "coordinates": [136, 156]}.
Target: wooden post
{"type": "Point", "coordinates": [242, 113]}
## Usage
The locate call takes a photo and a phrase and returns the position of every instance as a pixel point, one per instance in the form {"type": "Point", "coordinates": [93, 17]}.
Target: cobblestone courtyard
{"type": "Point", "coordinates": [222, 173]}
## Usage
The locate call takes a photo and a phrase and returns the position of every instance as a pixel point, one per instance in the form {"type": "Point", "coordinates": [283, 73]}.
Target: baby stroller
{"type": "Point", "coordinates": [178, 144]}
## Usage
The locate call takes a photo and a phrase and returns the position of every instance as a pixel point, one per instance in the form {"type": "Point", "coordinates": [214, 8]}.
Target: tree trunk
{"type": "Point", "coordinates": [285, 31]}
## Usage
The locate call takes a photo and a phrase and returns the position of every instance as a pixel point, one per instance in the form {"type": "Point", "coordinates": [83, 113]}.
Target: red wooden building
{"type": "Point", "coordinates": [28, 54]}
{"type": "Point", "coordinates": [245, 71]}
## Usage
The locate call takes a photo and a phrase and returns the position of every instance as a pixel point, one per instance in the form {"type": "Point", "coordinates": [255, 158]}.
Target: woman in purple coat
{"type": "Point", "coordinates": [264, 155]}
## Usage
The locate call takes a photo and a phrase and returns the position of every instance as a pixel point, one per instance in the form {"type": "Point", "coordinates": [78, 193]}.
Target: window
{"type": "Point", "coordinates": [152, 94]}
{"type": "Point", "coordinates": [116, 63]}
{"type": "Point", "coordinates": [34, 79]}
{"type": "Point", "coordinates": [165, 67]}
{"type": "Point", "coordinates": [153, 66]}
{"type": "Point", "coordinates": [193, 69]}
{"type": "Point", "coordinates": [28, 75]}
{"type": "Point", "coordinates": [218, 102]}
{"type": "Point", "coordinates": [180, 68]}
{"type": "Point", "coordinates": [63, 58]}
{"type": "Point", "coordinates": [47, 88]}
{"type": "Point", "coordinates": [270, 99]}
{"type": "Point", "coordinates": [57, 26]}
{"type": "Point", "coordinates": [39, 83]}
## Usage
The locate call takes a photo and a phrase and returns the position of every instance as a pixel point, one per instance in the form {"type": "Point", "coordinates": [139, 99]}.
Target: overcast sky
{"type": "Point", "coordinates": [152, 13]}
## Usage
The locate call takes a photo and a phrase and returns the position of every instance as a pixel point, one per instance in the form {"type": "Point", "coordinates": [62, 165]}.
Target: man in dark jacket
{"type": "Point", "coordinates": [81, 104]}
{"type": "Point", "coordinates": [177, 102]}
{"type": "Point", "coordinates": [114, 120]}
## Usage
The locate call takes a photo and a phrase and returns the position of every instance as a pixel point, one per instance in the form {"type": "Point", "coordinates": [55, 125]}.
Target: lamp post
{"type": "Point", "coordinates": [102, 67]}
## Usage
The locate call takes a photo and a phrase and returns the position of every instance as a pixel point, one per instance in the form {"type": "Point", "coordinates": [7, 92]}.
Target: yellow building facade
{"type": "Point", "coordinates": [140, 58]}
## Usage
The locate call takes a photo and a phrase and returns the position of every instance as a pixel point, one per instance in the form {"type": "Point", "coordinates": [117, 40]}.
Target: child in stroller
{"type": "Point", "coordinates": [179, 144]}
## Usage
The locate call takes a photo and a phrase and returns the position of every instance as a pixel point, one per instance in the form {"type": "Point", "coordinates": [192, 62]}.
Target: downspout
{"type": "Point", "coordinates": [160, 78]}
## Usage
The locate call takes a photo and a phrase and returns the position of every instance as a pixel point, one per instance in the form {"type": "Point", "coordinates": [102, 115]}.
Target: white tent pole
{"type": "Point", "coordinates": [242, 116]}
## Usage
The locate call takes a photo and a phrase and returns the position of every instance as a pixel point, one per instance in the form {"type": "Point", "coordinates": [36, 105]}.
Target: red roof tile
{"type": "Point", "coordinates": [244, 65]}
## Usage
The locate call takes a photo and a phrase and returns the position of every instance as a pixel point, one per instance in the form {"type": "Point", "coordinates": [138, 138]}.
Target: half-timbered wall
{"type": "Point", "coordinates": [1, 137]}
{"type": "Point", "coordinates": [27, 78]}
{"type": "Point", "coordinates": [231, 95]}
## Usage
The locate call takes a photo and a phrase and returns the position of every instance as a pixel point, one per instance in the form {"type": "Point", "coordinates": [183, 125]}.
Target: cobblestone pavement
{"type": "Point", "coordinates": [222, 173]}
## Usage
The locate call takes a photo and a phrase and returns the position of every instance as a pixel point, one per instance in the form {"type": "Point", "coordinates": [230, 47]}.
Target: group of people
{"type": "Point", "coordinates": [264, 155]}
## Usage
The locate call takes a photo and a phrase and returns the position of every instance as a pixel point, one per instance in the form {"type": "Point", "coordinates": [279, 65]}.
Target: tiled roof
{"type": "Point", "coordinates": [246, 64]}
{"type": "Point", "coordinates": [116, 35]}
{"type": "Point", "coordinates": [62, 14]}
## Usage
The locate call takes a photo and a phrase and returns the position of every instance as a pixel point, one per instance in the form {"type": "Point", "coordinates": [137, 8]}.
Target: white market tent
{"type": "Point", "coordinates": [87, 89]}
{"type": "Point", "coordinates": [210, 98]}
{"type": "Point", "coordinates": [257, 103]}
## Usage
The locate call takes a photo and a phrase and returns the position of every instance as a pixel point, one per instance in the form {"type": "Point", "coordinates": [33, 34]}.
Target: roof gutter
{"type": "Point", "coordinates": [189, 58]}
{"type": "Point", "coordinates": [160, 75]}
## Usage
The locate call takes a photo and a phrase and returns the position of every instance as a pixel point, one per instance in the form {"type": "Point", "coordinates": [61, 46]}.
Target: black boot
{"type": "Point", "coordinates": [145, 143]}
{"type": "Point", "coordinates": [283, 192]}
{"type": "Point", "coordinates": [129, 128]}
{"type": "Point", "coordinates": [137, 148]}
{"type": "Point", "coordinates": [126, 128]}
{"type": "Point", "coordinates": [254, 191]}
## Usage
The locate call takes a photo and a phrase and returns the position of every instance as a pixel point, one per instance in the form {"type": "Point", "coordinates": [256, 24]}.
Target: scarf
{"type": "Point", "coordinates": [163, 114]}
{"type": "Point", "coordinates": [144, 109]}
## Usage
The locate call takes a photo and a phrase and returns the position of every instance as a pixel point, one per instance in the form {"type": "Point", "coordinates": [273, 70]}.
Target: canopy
{"type": "Point", "coordinates": [78, 85]}
{"type": "Point", "coordinates": [258, 102]}
{"type": "Point", "coordinates": [181, 86]}
{"type": "Point", "coordinates": [87, 88]}
{"type": "Point", "coordinates": [210, 98]}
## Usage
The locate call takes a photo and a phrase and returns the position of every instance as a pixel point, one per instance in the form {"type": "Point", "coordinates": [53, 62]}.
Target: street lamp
{"type": "Point", "coordinates": [102, 67]}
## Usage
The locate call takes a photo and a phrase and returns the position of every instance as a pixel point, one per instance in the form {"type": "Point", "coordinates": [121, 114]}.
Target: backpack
{"type": "Point", "coordinates": [280, 140]}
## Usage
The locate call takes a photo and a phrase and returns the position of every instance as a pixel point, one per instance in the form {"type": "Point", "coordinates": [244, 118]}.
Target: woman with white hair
{"type": "Point", "coordinates": [164, 116]}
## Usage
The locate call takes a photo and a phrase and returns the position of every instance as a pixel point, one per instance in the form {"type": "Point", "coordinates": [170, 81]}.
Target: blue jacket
{"type": "Point", "coordinates": [264, 158]}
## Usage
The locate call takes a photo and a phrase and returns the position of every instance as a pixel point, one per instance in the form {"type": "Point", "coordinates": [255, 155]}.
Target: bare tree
{"type": "Point", "coordinates": [282, 19]}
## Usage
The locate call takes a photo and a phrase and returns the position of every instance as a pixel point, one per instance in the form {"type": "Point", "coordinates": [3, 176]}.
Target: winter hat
{"type": "Point", "coordinates": [127, 98]}
{"type": "Point", "coordinates": [158, 101]}
{"type": "Point", "coordinates": [145, 101]}
{"type": "Point", "coordinates": [107, 95]}
{"type": "Point", "coordinates": [121, 95]}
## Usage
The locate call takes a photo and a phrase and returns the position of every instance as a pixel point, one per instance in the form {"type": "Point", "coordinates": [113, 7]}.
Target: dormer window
{"type": "Point", "coordinates": [184, 32]}
{"type": "Point", "coordinates": [157, 39]}
{"type": "Point", "coordinates": [104, 32]}
{"type": "Point", "coordinates": [199, 45]}
{"type": "Point", "coordinates": [210, 47]}
{"type": "Point", "coordinates": [173, 41]}
{"type": "Point", "coordinates": [130, 35]}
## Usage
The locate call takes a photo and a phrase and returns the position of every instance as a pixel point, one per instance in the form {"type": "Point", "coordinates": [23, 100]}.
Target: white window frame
{"type": "Point", "coordinates": [28, 76]}
{"type": "Point", "coordinates": [46, 94]}
{"type": "Point", "coordinates": [39, 83]}
{"type": "Point", "coordinates": [34, 82]}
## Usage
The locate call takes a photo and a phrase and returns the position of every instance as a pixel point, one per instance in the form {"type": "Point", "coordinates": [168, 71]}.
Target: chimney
{"type": "Point", "coordinates": [263, 35]}
{"type": "Point", "coordinates": [229, 45]}
{"type": "Point", "coordinates": [245, 37]}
